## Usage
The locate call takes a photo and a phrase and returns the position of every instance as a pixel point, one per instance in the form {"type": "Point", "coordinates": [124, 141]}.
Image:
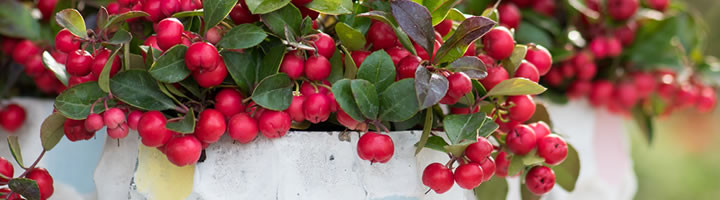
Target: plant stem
{"type": "Point", "coordinates": [34, 164]}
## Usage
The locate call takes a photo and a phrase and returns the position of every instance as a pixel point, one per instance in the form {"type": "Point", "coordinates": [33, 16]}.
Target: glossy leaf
{"type": "Point", "coordinates": [242, 68]}
{"type": "Point", "coordinates": [56, 68]}
{"type": "Point", "coordinates": [366, 98]}
{"type": "Point", "coordinates": [287, 16]}
{"type": "Point", "coordinates": [457, 149]}
{"type": "Point", "coordinates": [104, 77]}
{"type": "Point", "coordinates": [342, 90]}
{"type": "Point", "coordinates": [75, 102]}
{"type": "Point", "coordinates": [186, 125]}
{"type": "Point", "coordinates": [17, 21]}
{"type": "Point", "coordinates": [14, 146]}
{"type": "Point", "coordinates": [272, 58]}
{"type": "Point", "coordinates": [120, 37]}
{"type": "Point", "coordinates": [525, 194]}
{"type": "Point", "coordinates": [215, 11]}
{"type": "Point", "coordinates": [351, 38]}
{"type": "Point", "coordinates": [139, 89]}
{"type": "Point", "coordinates": [274, 92]}
{"type": "Point", "coordinates": [265, 6]}
{"type": "Point", "coordinates": [470, 65]}
{"type": "Point", "coordinates": [350, 67]}
{"type": "Point", "coordinates": [516, 86]}
{"type": "Point", "coordinates": [416, 21]}
{"type": "Point", "coordinates": [242, 36]}
{"type": "Point", "coordinates": [398, 102]}
{"type": "Point", "coordinates": [192, 13]}
{"type": "Point", "coordinates": [463, 127]}
{"type": "Point", "coordinates": [494, 189]}
{"type": "Point", "coordinates": [439, 9]}
{"type": "Point", "coordinates": [170, 66]}
{"type": "Point", "coordinates": [73, 21]}
{"type": "Point", "coordinates": [120, 18]}
{"type": "Point", "coordinates": [567, 173]}
{"type": "Point", "coordinates": [516, 165]}
{"type": "Point", "coordinates": [332, 7]}
{"type": "Point", "coordinates": [52, 130]}
{"type": "Point", "coordinates": [28, 188]}
{"type": "Point", "coordinates": [436, 143]}
{"type": "Point", "coordinates": [530, 33]}
{"type": "Point", "coordinates": [430, 87]}
{"type": "Point", "coordinates": [469, 30]}
{"type": "Point", "coordinates": [541, 114]}
{"type": "Point", "coordinates": [379, 69]}
{"type": "Point", "coordinates": [513, 62]}
{"type": "Point", "coordinates": [455, 15]}
{"type": "Point", "coordinates": [337, 67]}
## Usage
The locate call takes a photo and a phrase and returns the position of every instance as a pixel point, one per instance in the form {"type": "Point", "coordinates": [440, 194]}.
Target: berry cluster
{"type": "Point", "coordinates": [29, 54]}
{"type": "Point", "coordinates": [40, 175]}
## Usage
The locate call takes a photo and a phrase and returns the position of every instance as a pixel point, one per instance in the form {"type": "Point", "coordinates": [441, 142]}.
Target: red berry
{"type": "Point", "coordinates": [381, 35]}
{"type": "Point", "coordinates": [540, 128]}
{"type": "Point", "coordinates": [626, 33]}
{"type": "Point", "coordinates": [470, 50]}
{"type": "Point", "coordinates": [438, 177]}
{"type": "Point", "coordinates": [659, 5]}
{"type": "Point", "coordinates": [545, 7]}
{"type": "Point", "coordinates": [359, 56]}
{"type": "Point", "coordinates": [317, 68]}
{"type": "Point", "coordinates": [479, 150]}
{"type": "Point", "coordinates": [553, 148]}
{"type": "Point", "coordinates": [347, 121]}
{"type": "Point", "coordinates": [169, 32]}
{"type": "Point", "coordinates": [707, 99]}
{"type": "Point", "coordinates": [296, 109]}
{"type": "Point", "coordinates": [523, 109]}
{"type": "Point", "coordinates": [46, 8]}
{"type": "Point", "coordinates": [212, 77]}
{"type": "Point", "coordinates": [407, 66]}
{"type": "Point", "coordinates": [74, 80]}
{"type": "Point", "coordinates": [540, 57]}
{"type": "Point", "coordinates": [293, 65]}
{"type": "Point", "coordinates": [522, 3]}
{"type": "Point", "coordinates": [301, 2]}
{"type": "Point", "coordinates": [444, 27]}
{"type": "Point", "coordinates": [601, 93]}
{"type": "Point", "coordinates": [644, 84]}
{"type": "Point", "coordinates": [509, 15]}
{"type": "Point", "coordinates": [498, 43]}
{"type": "Point", "coordinates": [188, 5]}
{"type": "Point", "coordinates": [540, 180]}
{"type": "Point", "coordinates": [24, 50]}
{"type": "Point", "coordinates": [183, 150]}
{"type": "Point", "coordinates": [527, 70]}
{"type": "Point", "coordinates": [44, 181]}
{"type": "Point", "coordinates": [151, 129]}
{"type": "Point", "coordinates": [6, 169]}
{"type": "Point", "coordinates": [502, 162]}
{"type": "Point", "coordinates": [210, 126]}
{"type": "Point", "coordinates": [201, 56]}
{"type": "Point", "coordinates": [625, 94]}
{"type": "Point", "coordinates": [449, 100]}
{"type": "Point", "coordinates": [614, 46]}
{"type": "Point", "coordinates": [94, 122]}
{"type": "Point", "coordinates": [66, 42]}
{"type": "Point", "coordinates": [75, 130]}
{"type": "Point", "coordinates": [554, 77]}
{"type": "Point", "coordinates": [214, 34]}
{"type": "Point", "coordinates": [423, 54]}
{"type": "Point", "coordinates": [154, 8]}
{"type": "Point", "coordinates": [229, 102]}
{"type": "Point", "coordinates": [397, 54]}
{"type": "Point", "coordinates": [113, 117]}
{"type": "Point", "coordinates": [169, 7]}
{"type": "Point", "coordinates": [316, 108]}
{"type": "Point", "coordinates": [585, 72]}
{"type": "Point", "coordinates": [242, 128]}
{"type": "Point", "coordinates": [306, 12]}
{"type": "Point", "coordinates": [686, 95]}
{"type": "Point", "coordinates": [469, 176]}
{"type": "Point", "coordinates": [78, 63]}
{"type": "Point", "coordinates": [521, 140]}
{"type": "Point", "coordinates": [495, 75]}
{"type": "Point", "coordinates": [274, 124]}
{"type": "Point", "coordinates": [622, 9]}
{"type": "Point", "coordinates": [598, 47]}
{"type": "Point", "coordinates": [7, 45]}
{"type": "Point", "coordinates": [307, 89]}
{"type": "Point", "coordinates": [101, 58]}
{"type": "Point", "coordinates": [579, 89]}
{"type": "Point", "coordinates": [152, 42]}
{"type": "Point", "coordinates": [12, 117]}
{"type": "Point", "coordinates": [459, 84]}
{"type": "Point", "coordinates": [113, 8]}
{"type": "Point", "coordinates": [133, 118]}
{"type": "Point", "coordinates": [488, 166]}
{"type": "Point", "coordinates": [119, 132]}
{"type": "Point", "coordinates": [375, 147]}
{"type": "Point", "coordinates": [324, 44]}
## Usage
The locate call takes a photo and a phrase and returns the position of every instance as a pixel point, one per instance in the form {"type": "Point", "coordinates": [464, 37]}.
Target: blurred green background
{"type": "Point", "coordinates": [683, 162]}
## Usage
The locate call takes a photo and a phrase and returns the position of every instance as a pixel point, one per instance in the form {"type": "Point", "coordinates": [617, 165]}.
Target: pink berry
{"type": "Point", "coordinates": [296, 109]}
{"type": "Point", "coordinates": [94, 122]}
{"type": "Point", "coordinates": [540, 180]}
{"type": "Point", "coordinates": [201, 56]}
{"type": "Point", "coordinates": [553, 148]}
{"type": "Point", "coordinates": [169, 32]}
{"type": "Point", "coordinates": [316, 108]}
{"type": "Point", "coordinates": [540, 57]}
{"type": "Point", "coordinates": [324, 44]}
{"type": "Point", "coordinates": [523, 109]}
{"type": "Point", "coordinates": [479, 150]}
{"type": "Point", "coordinates": [527, 70]}
{"type": "Point", "coordinates": [66, 42]}
{"type": "Point", "coordinates": [151, 129]}
{"type": "Point", "coordinates": [12, 117]}
{"type": "Point", "coordinates": [509, 15]}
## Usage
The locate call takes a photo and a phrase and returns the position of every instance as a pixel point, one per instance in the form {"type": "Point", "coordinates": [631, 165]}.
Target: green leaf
{"type": "Point", "coordinates": [455, 15]}
{"type": "Point", "coordinates": [120, 18]}
{"type": "Point", "coordinates": [191, 86]}
{"type": "Point", "coordinates": [215, 11]}
{"type": "Point", "coordinates": [60, 5]}
{"type": "Point", "coordinates": [491, 13]}
{"type": "Point", "coordinates": [192, 13]}
{"type": "Point", "coordinates": [379, 69]}
{"type": "Point", "coordinates": [516, 86]}
{"type": "Point", "coordinates": [529, 33]}
{"type": "Point", "coordinates": [120, 37]}
{"type": "Point", "coordinates": [427, 127]}
{"type": "Point", "coordinates": [337, 67]}
{"type": "Point", "coordinates": [342, 90]}
{"type": "Point", "coordinates": [366, 98]}
{"type": "Point", "coordinates": [75, 102]}
{"type": "Point", "coordinates": [287, 16]}
{"type": "Point", "coordinates": [138, 88]}
{"type": "Point", "coordinates": [531, 158]}
{"type": "Point", "coordinates": [494, 189]}
{"type": "Point", "coordinates": [567, 173]}
{"type": "Point", "coordinates": [242, 36]}
{"type": "Point", "coordinates": [469, 30]}
{"type": "Point", "coordinates": [541, 114]}
{"type": "Point", "coordinates": [274, 92]}
{"type": "Point", "coordinates": [513, 62]}
{"type": "Point", "coordinates": [398, 102]}
{"type": "Point", "coordinates": [57, 68]}
{"type": "Point", "coordinates": [104, 77]}
{"type": "Point", "coordinates": [16, 21]}
{"type": "Point", "coordinates": [28, 188]}
{"type": "Point", "coordinates": [350, 67]}
{"type": "Point", "coordinates": [242, 68]}
{"type": "Point", "coordinates": [430, 87]}
{"type": "Point", "coordinates": [388, 19]}
{"type": "Point", "coordinates": [274, 52]}
{"type": "Point", "coordinates": [470, 65]}
{"type": "Point", "coordinates": [463, 127]}
{"type": "Point", "coordinates": [73, 21]}
{"type": "Point", "coordinates": [186, 125]}
{"type": "Point", "coordinates": [516, 165]}
{"type": "Point", "coordinates": [265, 6]}
{"type": "Point", "coordinates": [457, 149]}
{"type": "Point", "coordinates": [416, 21]}
{"type": "Point", "coordinates": [436, 143]}
{"type": "Point", "coordinates": [331, 7]}
{"type": "Point", "coordinates": [170, 66]}
{"type": "Point", "coordinates": [439, 9]}
{"type": "Point", "coordinates": [488, 127]}
{"type": "Point", "coordinates": [351, 38]}
{"type": "Point", "coordinates": [525, 194]}
{"type": "Point", "coordinates": [52, 130]}
{"type": "Point", "coordinates": [14, 146]}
